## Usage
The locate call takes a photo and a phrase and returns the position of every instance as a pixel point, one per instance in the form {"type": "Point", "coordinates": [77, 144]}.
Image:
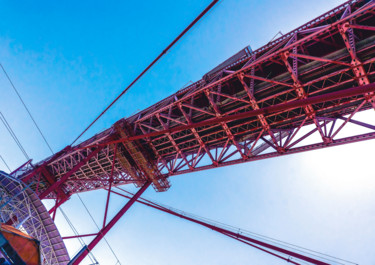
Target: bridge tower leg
{"type": "Point", "coordinates": [86, 250]}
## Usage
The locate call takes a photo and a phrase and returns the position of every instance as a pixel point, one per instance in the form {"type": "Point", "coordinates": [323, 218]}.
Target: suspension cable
{"type": "Point", "coordinates": [93, 220]}
{"type": "Point", "coordinates": [91, 255]}
{"type": "Point", "coordinates": [5, 163]}
{"type": "Point", "coordinates": [15, 138]}
{"type": "Point", "coordinates": [239, 230]}
{"type": "Point", "coordinates": [27, 109]}
{"type": "Point", "coordinates": [150, 65]}
{"type": "Point", "coordinates": [6, 124]}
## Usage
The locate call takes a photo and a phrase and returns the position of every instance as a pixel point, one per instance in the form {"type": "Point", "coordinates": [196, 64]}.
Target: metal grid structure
{"type": "Point", "coordinates": [220, 119]}
{"type": "Point", "coordinates": [22, 208]}
{"type": "Point", "coordinates": [257, 104]}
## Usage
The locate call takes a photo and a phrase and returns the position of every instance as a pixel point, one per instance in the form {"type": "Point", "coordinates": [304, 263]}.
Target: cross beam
{"type": "Point", "coordinates": [101, 234]}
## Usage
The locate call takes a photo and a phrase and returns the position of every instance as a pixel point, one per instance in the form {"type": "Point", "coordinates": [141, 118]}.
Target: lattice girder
{"type": "Point", "coordinates": [189, 130]}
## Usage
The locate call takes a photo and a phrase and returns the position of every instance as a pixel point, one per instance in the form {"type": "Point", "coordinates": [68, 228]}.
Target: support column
{"type": "Point", "coordinates": [86, 250]}
{"type": "Point", "coordinates": [56, 206]}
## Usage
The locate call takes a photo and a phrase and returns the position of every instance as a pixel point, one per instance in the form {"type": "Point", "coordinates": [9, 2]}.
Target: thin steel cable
{"type": "Point", "coordinates": [256, 235]}
{"type": "Point", "coordinates": [150, 65]}
{"type": "Point", "coordinates": [15, 138]}
{"type": "Point", "coordinates": [91, 255]}
{"type": "Point", "coordinates": [6, 124]}
{"type": "Point", "coordinates": [5, 163]}
{"type": "Point", "coordinates": [49, 147]}
{"type": "Point", "coordinates": [27, 109]}
{"type": "Point", "coordinates": [243, 231]}
{"type": "Point", "coordinates": [73, 229]}
{"type": "Point", "coordinates": [11, 132]}
{"type": "Point", "coordinates": [92, 218]}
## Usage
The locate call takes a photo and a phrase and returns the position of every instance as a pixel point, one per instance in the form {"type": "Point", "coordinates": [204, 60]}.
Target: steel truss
{"type": "Point", "coordinates": [224, 118]}
{"type": "Point", "coordinates": [258, 104]}
{"type": "Point", "coordinates": [21, 208]}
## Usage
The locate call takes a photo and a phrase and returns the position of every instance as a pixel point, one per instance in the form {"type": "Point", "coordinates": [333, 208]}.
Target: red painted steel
{"type": "Point", "coordinates": [351, 92]}
{"type": "Point", "coordinates": [110, 187]}
{"type": "Point", "coordinates": [256, 105]}
{"type": "Point", "coordinates": [57, 205]}
{"type": "Point", "coordinates": [59, 182]}
{"type": "Point", "coordinates": [313, 76]}
{"type": "Point", "coordinates": [77, 236]}
{"type": "Point", "coordinates": [259, 244]}
{"type": "Point", "coordinates": [111, 223]}
{"type": "Point", "coordinates": [208, 8]}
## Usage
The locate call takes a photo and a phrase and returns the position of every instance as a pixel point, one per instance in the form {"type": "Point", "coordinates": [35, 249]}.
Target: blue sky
{"type": "Point", "coordinates": [70, 59]}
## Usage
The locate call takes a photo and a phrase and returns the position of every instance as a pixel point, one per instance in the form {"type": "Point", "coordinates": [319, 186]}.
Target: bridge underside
{"type": "Point", "coordinates": [256, 105]}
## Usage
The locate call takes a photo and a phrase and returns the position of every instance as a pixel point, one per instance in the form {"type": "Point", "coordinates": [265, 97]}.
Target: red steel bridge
{"type": "Point", "coordinates": [274, 101]}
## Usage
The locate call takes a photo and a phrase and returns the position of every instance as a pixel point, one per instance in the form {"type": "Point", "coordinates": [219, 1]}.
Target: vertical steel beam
{"type": "Point", "coordinates": [347, 35]}
{"type": "Point", "coordinates": [262, 119]}
{"type": "Point", "coordinates": [54, 208]}
{"type": "Point", "coordinates": [110, 185]}
{"type": "Point", "coordinates": [301, 93]}
{"type": "Point", "coordinates": [109, 226]}
{"type": "Point", "coordinates": [196, 134]}
{"type": "Point", "coordinates": [175, 145]}
{"type": "Point", "coordinates": [224, 125]}
{"type": "Point", "coordinates": [54, 212]}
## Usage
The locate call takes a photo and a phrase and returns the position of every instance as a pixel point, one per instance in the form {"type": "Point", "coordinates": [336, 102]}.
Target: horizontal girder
{"type": "Point", "coordinates": [222, 119]}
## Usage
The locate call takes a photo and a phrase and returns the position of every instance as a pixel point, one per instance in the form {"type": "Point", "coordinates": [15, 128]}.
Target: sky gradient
{"type": "Point", "coordinates": [70, 59]}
